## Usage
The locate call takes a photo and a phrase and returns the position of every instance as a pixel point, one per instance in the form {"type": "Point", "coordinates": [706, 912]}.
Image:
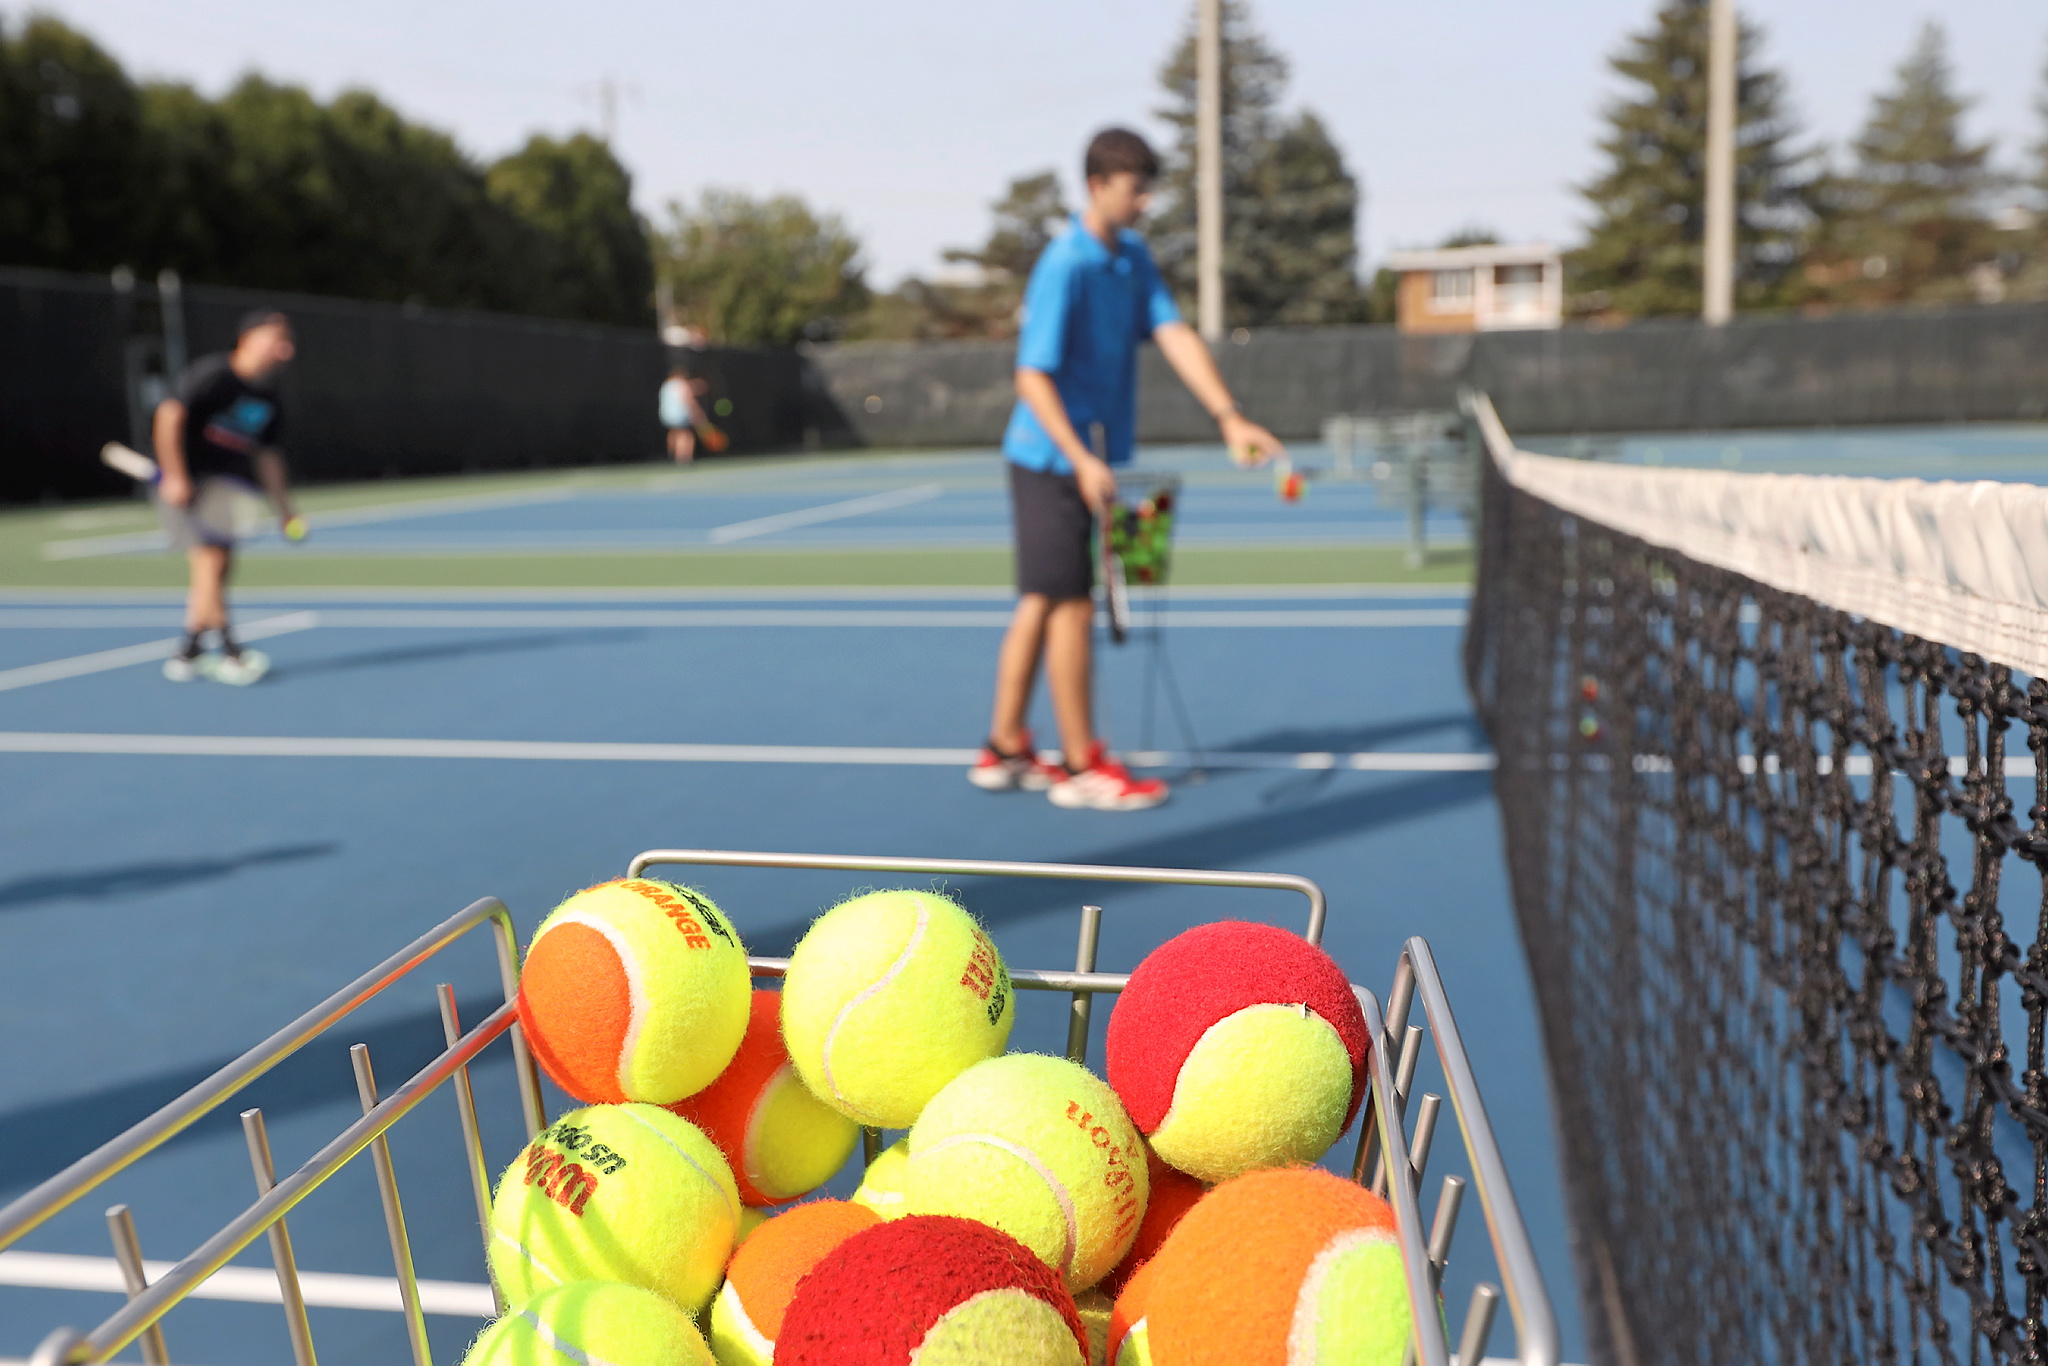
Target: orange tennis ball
{"type": "Point", "coordinates": [1278, 1266]}
{"type": "Point", "coordinates": [746, 1318]}
{"type": "Point", "coordinates": [1170, 1195]}
{"type": "Point", "coordinates": [634, 990]}
{"type": "Point", "coordinates": [1129, 1342]}
{"type": "Point", "coordinates": [781, 1140]}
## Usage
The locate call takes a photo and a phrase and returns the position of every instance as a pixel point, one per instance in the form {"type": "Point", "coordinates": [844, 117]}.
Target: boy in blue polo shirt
{"type": "Point", "coordinates": [1094, 296]}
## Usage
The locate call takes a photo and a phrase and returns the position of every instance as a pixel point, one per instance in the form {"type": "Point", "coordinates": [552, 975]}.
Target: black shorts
{"type": "Point", "coordinates": [1055, 534]}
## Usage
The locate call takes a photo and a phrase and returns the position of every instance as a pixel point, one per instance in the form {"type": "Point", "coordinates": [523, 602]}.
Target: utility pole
{"type": "Point", "coordinates": [1209, 169]}
{"type": "Point", "coordinates": [1717, 303]}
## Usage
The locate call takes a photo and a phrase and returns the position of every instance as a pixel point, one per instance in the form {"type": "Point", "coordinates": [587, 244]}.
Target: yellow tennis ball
{"type": "Point", "coordinates": [625, 1193]}
{"type": "Point", "coordinates": [1040, 1148]}
{"type": "Point", "coordinates": [881, 1188]}
{"type": "Point", "coordinates": [635, 990]}
{"type": "Point", "coordinates": [591, 1321]}
{"type": "Point", "coordinates": [889, 997]}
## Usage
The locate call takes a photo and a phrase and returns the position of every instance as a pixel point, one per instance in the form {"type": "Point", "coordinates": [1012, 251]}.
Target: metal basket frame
{"type": "Point", "coordinates": [1384, 1145]}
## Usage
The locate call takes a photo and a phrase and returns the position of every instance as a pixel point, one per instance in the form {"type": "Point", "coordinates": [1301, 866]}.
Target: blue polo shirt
{"type": "Point", "coordinates": [1085, 311]}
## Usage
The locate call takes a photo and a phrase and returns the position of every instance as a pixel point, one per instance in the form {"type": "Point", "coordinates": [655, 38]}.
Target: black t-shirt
{"type": "Point", "coordinates": [227, 418]}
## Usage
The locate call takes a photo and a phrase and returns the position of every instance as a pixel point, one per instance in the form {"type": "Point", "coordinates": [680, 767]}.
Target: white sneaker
{"type": "Point", "coordinates": [1106, 785]}
{"type": "Point", "coordinates": [238, 670]}
{"type": "Point", "coordinates": [181, 668]}
{"type": "Point", "coordinates": [993, 772]}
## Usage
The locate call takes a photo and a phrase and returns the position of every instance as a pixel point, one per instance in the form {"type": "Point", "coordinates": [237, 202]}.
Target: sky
{"type": "Point", "coordinates": [908, 119]}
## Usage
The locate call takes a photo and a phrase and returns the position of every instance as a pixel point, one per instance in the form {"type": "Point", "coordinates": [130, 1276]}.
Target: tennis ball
{"type": "Point", "coordinates": [1040, 1148]}
{"type": "Point", "coordinates": [295, 529]}
{"type": "Point", "coordinates": [781, 1140]}
{"type": "Point", "coordinates": [634, 990]}
{"type": "Point", "coordinates": [881, 1190]}
{"type": "Point", "coordinates": [751, 1218]}
{"type": "Point", "coordinates": [1280, 1266]}
{"type": "Point", "coordinates": [934, 1291]}
{"type": "Point", "coordinates": [1095, 1309]}
{"type": "Point", "coordinates": [890, 996]}
{"type": "Point", "coordinates": [615, 1193]}
{"type": "Point", "coordinates": [1129, 1341]}
{"type": "Point", "coordinates": [746, 1317]}
{"type": "Point", "coordinates": [585, 1322]}
{"type": "Point", "coordinates": [1237, 1046]}
{"type": "Point", "coordinates": [1169, 1194]}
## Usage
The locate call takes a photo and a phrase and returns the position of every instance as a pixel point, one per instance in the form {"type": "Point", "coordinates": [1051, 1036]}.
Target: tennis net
{"type": "Point", "coordinates": [1771, 774]}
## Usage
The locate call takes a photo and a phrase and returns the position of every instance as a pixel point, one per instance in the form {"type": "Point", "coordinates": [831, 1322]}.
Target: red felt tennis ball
{"type": "Point", "coordinates": [781, 1140]}
{"type": "Point", "coordinates": [1238, 1046]}
{"type": "Point", "coordinates": [746, 1318]}
{"type": "Point", "coordinates": [1278, 1267]}
{"type": "Point", "coordinates": [1170, 1194]}
{"type": "Point", "coordinates": [634, 990]}
{"type": "Point", "coordinates": [928, 1289]}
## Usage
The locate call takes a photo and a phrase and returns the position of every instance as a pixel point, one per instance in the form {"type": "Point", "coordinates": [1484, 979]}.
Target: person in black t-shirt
{"type": "Point", "coordinates": [223, 423]}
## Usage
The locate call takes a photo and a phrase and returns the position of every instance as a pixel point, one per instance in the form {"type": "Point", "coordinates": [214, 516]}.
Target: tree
{"type": "Point", "coordinates": [73, 167]}
{"type": "Point", "coordinates": [580, 199]}
{"type": "Point", "coordinates": [1290, 208]}
{"type": "Point", "coordinates": [761, 272]}
{"type": "Point", "coordinates": [1643, 250]}
{"type": "Point", "coordinates": [1029, 215]}
{"type": "Point", "coordinates": [1912, 215]}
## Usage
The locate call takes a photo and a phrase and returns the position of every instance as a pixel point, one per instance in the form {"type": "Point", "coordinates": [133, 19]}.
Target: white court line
{"type": "Point", "coordinates": [128, 543]}
{"type": "Point", "coordinates": [363, 747]}
{"type": "Point", "coordinates": [248, 1284]}
{"type": "Point", "coordinates": [100, 661]}
{"type": "Point", "coordinates": [829, 512]}
{"type": "Point", "coordinates": [444, 619]}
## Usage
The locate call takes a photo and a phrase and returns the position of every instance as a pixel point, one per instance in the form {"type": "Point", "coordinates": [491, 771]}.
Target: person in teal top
{"type": "Point", "coordinates": [1094, 296]}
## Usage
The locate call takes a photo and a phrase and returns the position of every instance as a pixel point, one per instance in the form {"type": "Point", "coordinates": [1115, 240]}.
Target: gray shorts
{"type": "Point", "coordinates": [1055, 534]}
{"type": "Point", "coordinates": [224, 510]}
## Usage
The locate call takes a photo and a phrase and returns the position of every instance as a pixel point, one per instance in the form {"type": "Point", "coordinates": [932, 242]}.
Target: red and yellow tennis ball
{"type": "Point", "coordinates": [890, 996]}
{"type": "Point", "coordinates": [627, 1193]}
{"type": "Point", "coordinates": [591, 1321]}
{"type": "Point", "coordinates": [781, 1140]}
{"type": "Point", "coordinates": [929, 1289]}
{"type": "Point", "coordinates": [1170, 1194]}
{"type": "Point", "coordinates": [1040, 1148]}
{"type": "Point", "coordinates": [1237, 1046]}
{"type": "Point", "coordinates": [1276, 1267]}
{"type": "Point", "coordinates": [634, 990]}
{"type": "Point", "coordinates": [746, 1318]}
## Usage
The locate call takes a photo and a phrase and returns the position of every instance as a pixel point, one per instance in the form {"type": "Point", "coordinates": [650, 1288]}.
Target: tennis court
{"type": "Point", "coordinates": [200, 863]}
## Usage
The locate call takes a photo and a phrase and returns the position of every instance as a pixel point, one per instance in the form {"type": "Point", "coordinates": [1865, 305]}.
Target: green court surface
{"type": "Point", "coordinates": [894, 520]}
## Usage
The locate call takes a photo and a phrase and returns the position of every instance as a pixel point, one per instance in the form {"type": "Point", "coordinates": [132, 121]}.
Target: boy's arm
{"type": "Point", "coordinates": [270, 469]}
{"type": "Point", "coordinates": [1184, 349]}
{"type": "Point", "coordinates": [167, 430]}
{"type": "Point", "coordinates": [1042, 397]}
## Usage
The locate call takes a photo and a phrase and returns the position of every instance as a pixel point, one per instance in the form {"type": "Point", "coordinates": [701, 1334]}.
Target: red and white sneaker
{"type": "Point", "coordinates": [1103, 784]}
{"type": "Point", "coordinates": [995, 771]}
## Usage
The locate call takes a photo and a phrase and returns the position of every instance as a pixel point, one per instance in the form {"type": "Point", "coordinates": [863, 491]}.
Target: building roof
{"type": "Point", "coordinates": [1459, 258]}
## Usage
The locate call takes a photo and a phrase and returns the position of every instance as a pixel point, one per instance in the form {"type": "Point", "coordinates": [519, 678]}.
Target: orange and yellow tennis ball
{"type": "Point", "coordinates": [1237, 1046]}
{"type": "Point", "coordinates": [781, 1140]}
{"type": "Point", "coordinates": [1275, 1267]}
{"type": "Point", "coordinates": [927, 1289]}
{"type": "Point", "coordinates": [746, 1318]}
{"type": "Point", "coordinates": [635, 990]}
{"type": "Point", "coordinates": [1170, 1194]}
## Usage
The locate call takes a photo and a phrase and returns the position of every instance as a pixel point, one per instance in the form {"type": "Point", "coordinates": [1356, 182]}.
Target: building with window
{"type": "Point", "coordinates": [1479, 289]}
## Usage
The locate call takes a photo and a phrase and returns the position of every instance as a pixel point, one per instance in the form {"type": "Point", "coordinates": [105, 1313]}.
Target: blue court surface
{"type": "Point", "coordinates": [164, 910]}
{"type": "Point", "coordinates": [913, 501]}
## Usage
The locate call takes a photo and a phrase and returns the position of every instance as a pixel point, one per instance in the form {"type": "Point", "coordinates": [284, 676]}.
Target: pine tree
{"type": "Point", "coordinates": [1913, 213]}
{"type": "Point", "coordinates": [1643, 252]}
{"type": "Point", "coordinates": [1290, 208]}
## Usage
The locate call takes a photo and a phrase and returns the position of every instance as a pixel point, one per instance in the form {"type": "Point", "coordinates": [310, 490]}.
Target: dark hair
{"type": "Point", "coordinates": [259, 317]}
{"type": "Point", "coordinates": [1119, 149]}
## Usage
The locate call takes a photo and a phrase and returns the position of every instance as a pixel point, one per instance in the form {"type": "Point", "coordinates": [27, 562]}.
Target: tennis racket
{"type": "Point", "coordinates": [223, 508]}
{"type": "Point", "coordinates": [1116, 595]}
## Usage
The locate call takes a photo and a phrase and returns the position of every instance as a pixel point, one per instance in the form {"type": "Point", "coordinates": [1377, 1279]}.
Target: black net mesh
{"type": "Point", "coordinates": [1786, 926]}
